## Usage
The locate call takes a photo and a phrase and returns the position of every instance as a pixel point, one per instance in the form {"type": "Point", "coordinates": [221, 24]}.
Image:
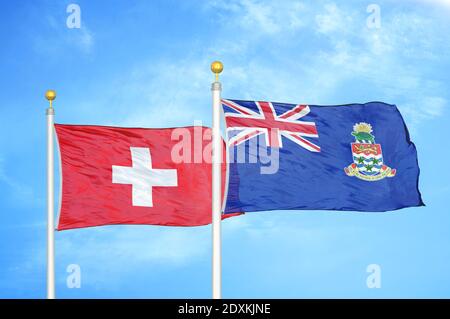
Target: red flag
{"type": "Point", "coordinates": [113, 175]}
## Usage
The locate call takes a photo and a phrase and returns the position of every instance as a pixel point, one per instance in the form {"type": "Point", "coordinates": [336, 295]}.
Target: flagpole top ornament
{"type": "Point", "coordinates": [50, 95]}
{"type": "Point", "coordinates": [217, 68]}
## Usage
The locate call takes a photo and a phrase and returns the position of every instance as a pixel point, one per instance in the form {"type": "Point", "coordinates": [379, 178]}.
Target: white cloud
{"type": "Point", "coordinates": [332, 20]}
{"type": "Point", "coordinates": [154, 92]}
{"type": "Point", "coordinates": [261, 17]}
{"type": "Point", "coordinates": [165, 90]}
{"type": "Point", "coordinates": [387, 59]}
{"type": "Point", "coordinates": [442, 3]}
{"type": "Point", "coordinates": [310, 54]}
{"type": "Point", "coordinates": [59, 38]}
{"type": "Point", "coordinates": [84, 39]}
{"type": "Point", "coordinates": [434, 106]}
{"type": "Point", "coordinates": [424, 108]}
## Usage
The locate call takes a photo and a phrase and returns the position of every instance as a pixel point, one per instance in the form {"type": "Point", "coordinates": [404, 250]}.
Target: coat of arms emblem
{"type": "Point", "coordinates": [367, 156]}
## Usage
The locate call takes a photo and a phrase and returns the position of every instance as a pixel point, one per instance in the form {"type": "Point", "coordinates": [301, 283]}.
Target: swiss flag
{"type": "Point", "coordinates": [113, 175]}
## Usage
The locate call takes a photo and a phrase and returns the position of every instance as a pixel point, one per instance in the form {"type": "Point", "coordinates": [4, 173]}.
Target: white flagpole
{"type": "Point", "coordinates": [50, 95]}
{"type": "Point", "coordinates": [216, 88]}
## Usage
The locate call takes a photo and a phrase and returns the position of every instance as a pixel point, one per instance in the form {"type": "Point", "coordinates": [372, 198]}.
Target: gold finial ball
{"type": "Point", "coordinates": [216, 67]}
{"type": "Point", "coordinates": [50, 95]}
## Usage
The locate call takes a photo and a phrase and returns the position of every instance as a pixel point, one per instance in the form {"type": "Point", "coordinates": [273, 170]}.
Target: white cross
{"type": "Point", "coordinates": [142, 176]}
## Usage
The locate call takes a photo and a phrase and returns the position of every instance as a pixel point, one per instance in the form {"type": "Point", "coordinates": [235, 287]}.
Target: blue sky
{"type": "Point", "coordinates": [146, 63]}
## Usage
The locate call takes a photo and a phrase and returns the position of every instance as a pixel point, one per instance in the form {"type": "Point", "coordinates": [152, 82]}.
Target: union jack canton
{"type": "Point", "coordinates": [245, 121]}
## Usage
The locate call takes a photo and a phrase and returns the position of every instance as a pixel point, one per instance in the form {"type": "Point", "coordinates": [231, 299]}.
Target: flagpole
{"type": "Point", "coordinates": [216, 88]}
{"type": "Point", "coordinates": [50, 95]}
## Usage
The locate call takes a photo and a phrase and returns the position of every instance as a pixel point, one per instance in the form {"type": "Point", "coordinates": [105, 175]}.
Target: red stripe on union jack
{"type": "Point", "coordinates": [250, 124]}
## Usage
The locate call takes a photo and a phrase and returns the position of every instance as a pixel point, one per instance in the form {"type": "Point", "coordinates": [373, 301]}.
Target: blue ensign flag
{"type": "Point", "coordinates": [355, 157]}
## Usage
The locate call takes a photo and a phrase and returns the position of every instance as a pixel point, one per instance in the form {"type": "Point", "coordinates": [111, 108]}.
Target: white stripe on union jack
{"type": "Point", "coordinates": [250, 124]}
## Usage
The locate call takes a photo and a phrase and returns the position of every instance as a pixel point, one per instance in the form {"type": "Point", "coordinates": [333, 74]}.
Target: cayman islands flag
{"type": "Point", "coordinates": [355, 157]}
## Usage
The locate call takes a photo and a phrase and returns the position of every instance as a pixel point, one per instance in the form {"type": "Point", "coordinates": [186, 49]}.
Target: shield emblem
{"type": "Point", "coordinates": [368, 158]}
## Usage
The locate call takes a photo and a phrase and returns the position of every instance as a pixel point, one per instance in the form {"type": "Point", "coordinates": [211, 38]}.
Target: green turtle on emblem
{"type": "Point", "coordinates": [361, 132]}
